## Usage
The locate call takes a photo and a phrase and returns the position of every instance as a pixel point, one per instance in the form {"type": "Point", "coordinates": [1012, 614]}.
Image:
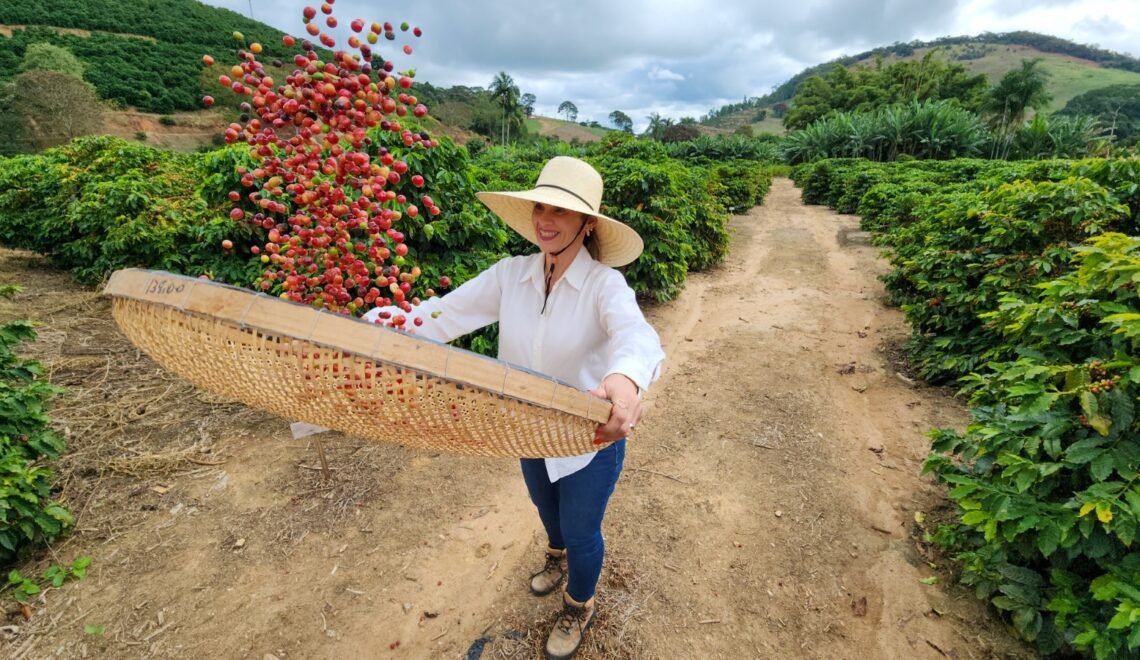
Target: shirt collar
{"type": "Point", "coordinates": [575, 275]}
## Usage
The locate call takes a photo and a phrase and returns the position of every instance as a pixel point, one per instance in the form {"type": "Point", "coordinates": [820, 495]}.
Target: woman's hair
{"type": "Point", "coordinates": [591, 241]}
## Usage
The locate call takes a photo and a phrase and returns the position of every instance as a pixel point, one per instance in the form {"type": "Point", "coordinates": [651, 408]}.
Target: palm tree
{"type": "Point", "coordinates": [1019, 91]}
{"type": "Point", "coordinates": [506, 93]}
{"type": "Point", "coordinates": [657, 125]}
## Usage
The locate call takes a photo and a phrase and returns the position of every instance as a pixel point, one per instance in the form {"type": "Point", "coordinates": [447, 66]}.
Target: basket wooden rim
{"type": "Point", "coordinates": [248, 309]}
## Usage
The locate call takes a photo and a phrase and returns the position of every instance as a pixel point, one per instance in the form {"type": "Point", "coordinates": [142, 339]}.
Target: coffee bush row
{"type": "Point", "coordinates": [1019, 281]}
{"type": "Point", "coordinates": [100, 203]}
{"type": "Point", "coordinates": [28, 515]}
{"type": "Point", "coordinates": [962, 233]}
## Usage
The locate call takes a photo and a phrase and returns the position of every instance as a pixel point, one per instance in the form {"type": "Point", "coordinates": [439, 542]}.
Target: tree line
{"type": "Point", "coordinates": [1045, 43]}
{"type": "Point", "coordinates": [931, 109]}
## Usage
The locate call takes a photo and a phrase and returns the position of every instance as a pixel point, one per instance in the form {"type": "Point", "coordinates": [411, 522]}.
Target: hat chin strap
{"type": "Point", "coordinates": [550, 269]}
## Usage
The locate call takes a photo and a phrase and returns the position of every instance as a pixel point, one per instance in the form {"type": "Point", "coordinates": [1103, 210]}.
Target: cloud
{"type": "Point", "coordinates": [686, 57]}
{"type": "Point", "coordinates": [658, 73]}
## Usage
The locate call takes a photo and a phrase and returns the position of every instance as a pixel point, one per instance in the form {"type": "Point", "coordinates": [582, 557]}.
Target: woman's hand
{"type": "Point", "coordinates": [622, 393]}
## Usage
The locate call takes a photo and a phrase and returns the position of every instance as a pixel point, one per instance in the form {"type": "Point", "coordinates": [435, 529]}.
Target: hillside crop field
{"type": "Point", "coordinates": [1068, 76]}
{"type": "Point", "coordinates": [565, 130]}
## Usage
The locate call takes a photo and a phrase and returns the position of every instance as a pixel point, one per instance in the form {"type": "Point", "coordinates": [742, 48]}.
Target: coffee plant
{"type": "Point", "coordinates": [100, 203]}
{"type": "Point", "coordinates": [957, 262]}
{"type": "Point", "coordinates": [1020, 280]}
{"type": "Point", "coordinates": [28, 515]}
{"type": "Point", "coordinates": [1046, 474]}
{"type": "Point", "coordinates": [962, 233]}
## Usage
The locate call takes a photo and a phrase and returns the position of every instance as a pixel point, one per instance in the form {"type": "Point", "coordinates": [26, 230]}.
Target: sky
{"type": "Point", "coordinates": [680, 58]}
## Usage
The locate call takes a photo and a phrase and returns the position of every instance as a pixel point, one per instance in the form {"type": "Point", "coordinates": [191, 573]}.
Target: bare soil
{"type": "Point", "coordinates": [190, 130]}
{"type": "Point", "coordinates": [767, 508]}
{"type": "Point", "coordinates": [200, 128]}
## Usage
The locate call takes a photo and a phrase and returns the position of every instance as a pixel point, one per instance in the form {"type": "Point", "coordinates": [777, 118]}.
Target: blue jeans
{"type": "Point", "coordinates": [571, 510]}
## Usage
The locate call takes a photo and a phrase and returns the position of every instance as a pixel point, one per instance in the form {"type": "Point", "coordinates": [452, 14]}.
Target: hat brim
{"type": "Point", "coordinates": [618, 243]}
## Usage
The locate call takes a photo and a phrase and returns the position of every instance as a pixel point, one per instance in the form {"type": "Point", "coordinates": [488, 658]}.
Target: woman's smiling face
{"type": "Point", "coordinates": [556, 228]}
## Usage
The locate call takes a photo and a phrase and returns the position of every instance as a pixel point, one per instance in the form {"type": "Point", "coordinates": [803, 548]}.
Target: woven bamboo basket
{"type": "Point", "coordinates": [336, 371]}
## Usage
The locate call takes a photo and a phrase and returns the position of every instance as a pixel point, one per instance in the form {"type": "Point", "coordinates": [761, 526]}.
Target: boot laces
{"type": "Point", "coordinates": [553, 564]}
{"type": "Point", "coordinates": [572, 616]}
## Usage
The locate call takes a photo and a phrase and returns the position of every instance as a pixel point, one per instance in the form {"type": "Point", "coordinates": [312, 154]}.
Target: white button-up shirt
{"type": "Point", "coordinates": [592, 326]}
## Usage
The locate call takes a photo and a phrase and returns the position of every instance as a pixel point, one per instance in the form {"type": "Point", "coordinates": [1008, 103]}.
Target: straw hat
{"type": "Point", "coordinates": [571, 184]}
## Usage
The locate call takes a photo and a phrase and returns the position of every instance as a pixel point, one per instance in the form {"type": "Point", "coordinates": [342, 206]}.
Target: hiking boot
{"type": "Point", "coordinates": [569, 628]}
{"type": "Point", "coordinates": [551, 575]}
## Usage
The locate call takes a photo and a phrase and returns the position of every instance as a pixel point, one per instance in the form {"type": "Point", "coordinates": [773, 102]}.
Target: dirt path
{"type": "Point", "coordinates": [767, 508]}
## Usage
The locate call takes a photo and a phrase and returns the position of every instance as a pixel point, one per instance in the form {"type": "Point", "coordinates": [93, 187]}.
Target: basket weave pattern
{"type": "Point", "coordinates": [357, 394]}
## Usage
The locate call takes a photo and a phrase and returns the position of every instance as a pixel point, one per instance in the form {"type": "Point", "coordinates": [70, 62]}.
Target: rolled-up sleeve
{"type": "Point", "coordinates": [634, 346]}
{"type": "Point", "coordinates": [473, 305]}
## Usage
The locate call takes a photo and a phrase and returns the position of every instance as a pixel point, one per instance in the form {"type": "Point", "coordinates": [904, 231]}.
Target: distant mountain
{"type": "Point", "coordinates": [1074, 69]}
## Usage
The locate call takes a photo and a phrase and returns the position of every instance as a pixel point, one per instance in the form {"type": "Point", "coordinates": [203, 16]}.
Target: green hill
{"type": "Point", "coordinates": [145, 57]}
{"type": "Point", "coordinates": [566, 131]}
{"type": "Point", "coordinates": [1073, 70]}
{"type": "Point", "coordinates": [1069, 76]}
{"type": "Point", "coordinates": [145, 53]}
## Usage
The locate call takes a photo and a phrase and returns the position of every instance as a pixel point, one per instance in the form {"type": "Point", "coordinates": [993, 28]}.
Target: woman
{"type": "Point", "coordinates": [565, 312]}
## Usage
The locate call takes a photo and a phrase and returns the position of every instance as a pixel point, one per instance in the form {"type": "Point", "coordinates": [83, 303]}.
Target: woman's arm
{"type": "Point", "coordinates": [634, 347]}
{"type": "Point", "coordinates": [634, 359]}
{"type": "Point", "coordinates": [473, 305]}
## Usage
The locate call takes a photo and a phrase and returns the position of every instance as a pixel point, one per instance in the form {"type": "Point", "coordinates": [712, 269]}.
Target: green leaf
{"type": "Point", "coordinates": [1088, 404]}
{"type": "Point", "coordinates": [933, 579]}
{"type": "Point", "coordinates": [1062, 605]}
{"type": "Point", "coordinates": [1027, 388]}
{"type": "Point", "coordinates": [1104, 588]}
{"type": "Point", "coordinates": [59, 513]}
{"type": "Point", "coordinates": [96, 630]}
{"type": "Point", "coordinates": [1101, 466]}
{"type": "Point", "coordinates": [1021, 575]}
{"type": "Point", "coordinates": [1075, 378]}
{"type": "Point", "coordinates": [1132, 496]}
{"type": "Point", "coordinates": [1134, 638]}
{"type": "Point", "coordinates": [975, 517]}
{"type": "Point", "coordinates": [1038, 404]}
{"type": "Point", "coordinates": [1022, 594]}
{"type": "Point", "coordinates": [1125, 529]}
{"type": "Point", "coordinates": [1122, 618]}
{"type": "Point", "coordinates": [1048, 539]}
{"type": "Point", "coordinates": [1084, 639]}
{"type": "Point", "coordinates": [1084, 451]}
{"type": "Point", "coordinates": [1121, 318]}
{"type": "Point", "coordinates": [1025, 479]}
{"type": "Point", "coordinates": [1028, 623]}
